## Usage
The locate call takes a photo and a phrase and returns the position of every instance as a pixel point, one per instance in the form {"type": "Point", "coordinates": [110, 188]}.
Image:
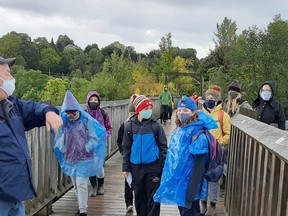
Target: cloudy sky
{"type": "Point", "coordinates": [133, 22]}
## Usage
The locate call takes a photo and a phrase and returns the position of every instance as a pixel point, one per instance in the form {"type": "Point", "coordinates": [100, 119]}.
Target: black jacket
{"type": "Point", "coordinates": [269, 111]}
{"type": "Point", "coordinates": [120, 138]}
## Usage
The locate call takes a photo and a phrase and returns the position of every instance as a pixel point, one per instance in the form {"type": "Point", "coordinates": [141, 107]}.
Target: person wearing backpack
{"type": "Point", "coordinates": [268, 109]}
{"type": "Point", "coordinates": [182, 181]}
{"type": "Point", "coordinates": [128, 189]}
{"type": "Point", "coordinates": [144, 151]}
{"type": "Point", "coordinates": [213, 107]}
{"type": "Point", "coordinates": [93, 108]}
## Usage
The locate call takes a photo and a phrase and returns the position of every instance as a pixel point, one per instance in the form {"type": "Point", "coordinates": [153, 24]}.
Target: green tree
{"type": "Point", "coordinates": [10, 46]}
{"type": "Point", "coordinates": [28, 80]}
{"type": "Point", "coordinates": [166, 56]}
{"type": "Point", "coordinates": [55, 90]}
{"type": "Point", "coordinates": [49, 59]}
{"type": "Point", "coordinates": [63, 41]}
{"type": "Point", "coordinates": [95, 60]}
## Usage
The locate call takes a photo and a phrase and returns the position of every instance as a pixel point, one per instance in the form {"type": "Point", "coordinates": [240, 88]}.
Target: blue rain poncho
{"type": "Point", "coordinates": [80, 146]}
{"type": "Point", "coordinates": [180, 160]}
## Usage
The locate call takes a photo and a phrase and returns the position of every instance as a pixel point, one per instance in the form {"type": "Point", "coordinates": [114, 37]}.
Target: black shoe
{"type": "Point", "coordinates": [83, 214]}
{"type": "Point", "coordinates": [77, 213]}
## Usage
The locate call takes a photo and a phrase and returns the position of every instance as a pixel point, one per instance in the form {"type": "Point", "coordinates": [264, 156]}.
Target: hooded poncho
{"type": "Point", "coordinates": [80, 146]}
{"type": "Point", "coordinates": [180, 160]}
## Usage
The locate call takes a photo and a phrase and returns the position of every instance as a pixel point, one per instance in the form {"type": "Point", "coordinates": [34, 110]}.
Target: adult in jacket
{"type": "Point", "coordinates": [144, 151]}
{"type": "Point", "coordinates": [18, 116]}
{"type": "Point", "coordinates": [268, 109]}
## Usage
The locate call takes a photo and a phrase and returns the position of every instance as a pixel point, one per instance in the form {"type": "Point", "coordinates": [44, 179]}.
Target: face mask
{"type": "Point", "coordinates": [184, 117]}
{"type": "Point", "coordinates": [166, 89]}
{"type": "Point", "coordinates": [8, 86]}
{"type": "Point", "coordinates": [93, 105]}
{"type": "Point", "coordinates": [266, 95]}
{"type": "Point", "coordinates": [210, 104]}
{"type": "Point", "coordinates": [232, 94]}
{"type": "Point", "coordinates": [146, 114]}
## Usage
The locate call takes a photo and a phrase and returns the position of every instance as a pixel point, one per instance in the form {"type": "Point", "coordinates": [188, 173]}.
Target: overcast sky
{"type": "Point", "coordinates": [135, 23]}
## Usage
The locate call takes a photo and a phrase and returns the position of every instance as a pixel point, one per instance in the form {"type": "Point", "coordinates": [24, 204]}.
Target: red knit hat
{"type": "Point", "coordinates": [140, 102]}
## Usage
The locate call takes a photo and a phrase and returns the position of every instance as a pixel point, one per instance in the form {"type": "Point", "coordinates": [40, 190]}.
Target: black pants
{"type": "Point", "coordinates": [95, 181]}
{"type": "Point", "coordinates": [128, 194]}
{"type": "Point", "coordinates": [193, 211]}
{"type": "Point", "coordinates": [146, 180]}
{"type": "Point", "coordinates": [164, 113]}
{"type": "Point", "coordinates": [170, 111]}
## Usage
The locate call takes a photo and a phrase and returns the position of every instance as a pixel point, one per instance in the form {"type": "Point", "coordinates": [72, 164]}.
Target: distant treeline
{"type": "Point", "coordinates": [46, 69]}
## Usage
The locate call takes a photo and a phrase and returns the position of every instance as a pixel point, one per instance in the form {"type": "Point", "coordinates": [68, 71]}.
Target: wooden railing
{"type": "Point", "coordinates": [257, 169]}
{"type": "Point", "coordinates": [49, 181]}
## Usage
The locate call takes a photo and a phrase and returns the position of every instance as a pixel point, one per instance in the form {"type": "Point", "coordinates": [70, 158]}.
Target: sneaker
{"type": "Point", "coordinates": [203, 207]}
{"type": "Point", "coordinates": [129, 208]}
{"type": "Point", "coordinates": [77, 213]}
{"type": "Point", "coordinates": [100, 190]}
{"type": "Point", "coordinates": [93, 192]}
{"type": "Point", "coordinates": [83, 214]}
{"type": "Point", "coordinates": [211, 211]}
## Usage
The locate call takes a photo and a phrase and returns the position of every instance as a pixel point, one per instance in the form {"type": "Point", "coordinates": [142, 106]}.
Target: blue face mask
{"type": "Point", "coordinates": [210, 104]}
{"type": "Point", "coordinates": [184, 117]}
{"type": "Point", "coordinates": [146, 114]}
{"type": "Point", "coordinates": [266, 95]}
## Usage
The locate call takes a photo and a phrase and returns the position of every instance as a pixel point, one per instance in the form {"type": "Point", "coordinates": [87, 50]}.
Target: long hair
{"type": "Point", "coordinates": [194, 118]}
{"type": "Point", "coordinates": [232, 105]}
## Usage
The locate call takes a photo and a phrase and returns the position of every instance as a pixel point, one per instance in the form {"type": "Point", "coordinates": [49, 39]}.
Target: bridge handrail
{"type": "Point", "coordinates": [257, 169]}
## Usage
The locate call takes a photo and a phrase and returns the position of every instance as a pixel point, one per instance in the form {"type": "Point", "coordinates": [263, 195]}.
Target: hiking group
{"type": "Point", "coordinates": [186, 173]}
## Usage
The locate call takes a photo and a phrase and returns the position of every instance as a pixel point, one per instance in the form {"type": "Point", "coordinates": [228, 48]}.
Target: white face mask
{"type": "Point", "coordinates": [8, 86]}
{"type": "Point", "coordinates": [266, 95]}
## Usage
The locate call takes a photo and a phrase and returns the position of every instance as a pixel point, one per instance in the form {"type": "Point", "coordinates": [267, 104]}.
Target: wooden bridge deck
{"type": "Point", "coordinates": [112, 202]}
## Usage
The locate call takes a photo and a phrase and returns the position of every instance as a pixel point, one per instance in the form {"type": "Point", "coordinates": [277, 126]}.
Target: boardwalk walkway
{"type": "Point", "coordinates": [112, 202]}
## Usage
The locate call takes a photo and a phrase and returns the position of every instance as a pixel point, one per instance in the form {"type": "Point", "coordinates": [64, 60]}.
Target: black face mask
{"type": "Point", "coordinates": [93, 105]}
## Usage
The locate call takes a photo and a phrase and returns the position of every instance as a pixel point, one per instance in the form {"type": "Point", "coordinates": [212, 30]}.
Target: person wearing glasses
{"type": "Point", "coordinates": [268, 109]}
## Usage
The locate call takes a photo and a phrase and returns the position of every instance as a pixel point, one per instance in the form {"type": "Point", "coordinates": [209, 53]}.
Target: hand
{"type": "Point", "coordinates": [125, 174]}
{"type": "Point", "coordinates": [53, 121]}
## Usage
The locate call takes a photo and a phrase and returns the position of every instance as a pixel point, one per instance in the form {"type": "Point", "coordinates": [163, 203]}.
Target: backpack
{"type": "Point", "coordinates": [215, 160]}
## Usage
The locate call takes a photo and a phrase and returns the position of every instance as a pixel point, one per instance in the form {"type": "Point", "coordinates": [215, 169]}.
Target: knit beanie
{"type": "Point", "coordinates": [140, 102]}
{"type": "Point", "coordinates": [131, 107]}
{"type": "Point", "coordinates": [234, 86]}
{"type": "Point", "coordinates": [215, 91]}
{"type": "Point", "coordinates": [188, 103]}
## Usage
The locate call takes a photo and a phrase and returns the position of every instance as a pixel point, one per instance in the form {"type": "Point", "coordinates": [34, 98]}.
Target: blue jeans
{"type": "Point", "coordinates": [193, 211]}
{"type": "Point", "coordinates": [12, 208]}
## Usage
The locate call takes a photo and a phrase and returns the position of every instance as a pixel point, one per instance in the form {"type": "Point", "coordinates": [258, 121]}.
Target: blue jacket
{"type": "Point", "coordinates": [180, 161]}
{"type": "Point", "coordinates": [18, 116]}
{"type": "Point", "coordinates": [143, 143]}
